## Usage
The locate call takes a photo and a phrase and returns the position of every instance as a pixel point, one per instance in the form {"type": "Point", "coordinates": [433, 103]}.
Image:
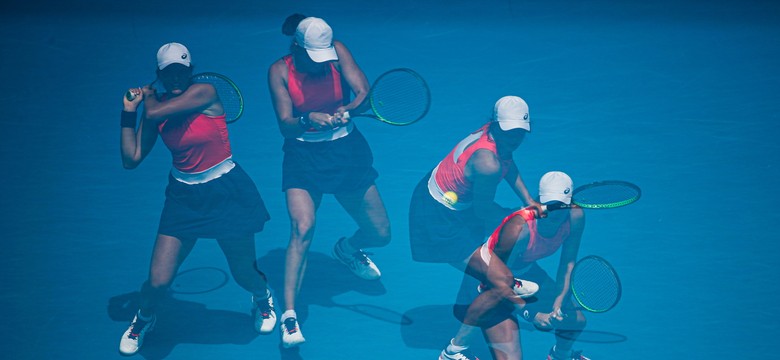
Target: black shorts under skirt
{"type": "Point", "coordinates": [224, 207]}
{"type": "Point", "coordinates": [441, 235]}
{"type": "Point", "coordinates": [329, 167]}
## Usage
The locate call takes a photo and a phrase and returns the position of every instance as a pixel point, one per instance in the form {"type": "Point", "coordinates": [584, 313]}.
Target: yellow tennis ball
{"type": "Point", "coordinates": [451, 198]}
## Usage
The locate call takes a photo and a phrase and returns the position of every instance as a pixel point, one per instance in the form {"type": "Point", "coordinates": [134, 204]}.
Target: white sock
{"type": "Point", "coordinates": [288, 314]}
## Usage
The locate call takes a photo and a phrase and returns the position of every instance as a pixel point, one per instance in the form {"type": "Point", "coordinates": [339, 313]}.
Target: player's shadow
{"type": "Point", "coordinates": [325, 278]}
{"type": "Point", "coordinates": [194, 324]}
{"type": "Point", "coordinates": [432, 327]}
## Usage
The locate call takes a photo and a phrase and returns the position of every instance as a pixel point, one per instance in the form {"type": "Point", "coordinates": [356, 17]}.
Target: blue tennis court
{"type": "Point", "coordinates": [679, 97]}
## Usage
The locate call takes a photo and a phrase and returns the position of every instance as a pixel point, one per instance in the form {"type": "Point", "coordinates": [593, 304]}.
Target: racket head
{"type": "Point", "coordinates": [595, 284]}
{"type": "Point", "coordinates": [228, 92]}
{"type": "Point", "coordinates": [400, 97]}
{"type": "Point", "coordinates": [607, 194]}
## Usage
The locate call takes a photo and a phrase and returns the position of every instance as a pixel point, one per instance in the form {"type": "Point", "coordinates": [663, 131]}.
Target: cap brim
{"type": "Point", "coordinates": [322, 55]}
{"type": "Point", "coordinates": [507, 125]}
{"type": "Point", "coordinates": [566, 199]}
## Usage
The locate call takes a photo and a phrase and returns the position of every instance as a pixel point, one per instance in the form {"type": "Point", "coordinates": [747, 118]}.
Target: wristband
{"type": "Point", "coordinates": [304, 122]}
{"type": "Point", "coordinates": [128, 119]}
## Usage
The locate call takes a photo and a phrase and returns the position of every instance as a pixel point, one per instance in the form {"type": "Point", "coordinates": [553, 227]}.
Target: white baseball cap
{"type": "Point", "coordinates": [555, 186]}
{"type": "Point", "coordinates": [316, 36]}
{"type": "Point", "coordinates": [172, 53]}
{"type": "Point", "coordinates": [511, 112]}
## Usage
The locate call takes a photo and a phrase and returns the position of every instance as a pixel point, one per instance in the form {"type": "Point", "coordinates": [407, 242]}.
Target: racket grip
{"type": "Point", "coordinates": [130, 96]}
{"type": "Point", "coordinates": [555, 206]}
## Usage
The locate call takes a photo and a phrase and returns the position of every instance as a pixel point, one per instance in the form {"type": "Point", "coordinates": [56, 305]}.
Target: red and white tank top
{"type": "Point", "coordinates": [538, 247]}
{"type": "Point", "coordinates": [449, 174]}
{"type": "Point", "coordinates": [197, 142]}
{"type": "Point", "coordinates": [316, 93]}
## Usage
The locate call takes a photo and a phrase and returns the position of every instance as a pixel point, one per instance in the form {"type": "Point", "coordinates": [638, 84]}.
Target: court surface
{"type": "Point", "coordinates": [680, 97]}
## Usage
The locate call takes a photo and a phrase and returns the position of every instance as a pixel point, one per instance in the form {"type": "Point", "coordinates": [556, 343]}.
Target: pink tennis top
{"type": "Point", "coordinates": [314, 92]}
{"type": "Point", "coordinates": [197, 142]}
{"type": "Point", "coordinates": [450, 173]}
{"type": "Point", "coordinates": [539, 247]}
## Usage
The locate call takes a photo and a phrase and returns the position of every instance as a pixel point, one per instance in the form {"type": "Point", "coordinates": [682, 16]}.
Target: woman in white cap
{"type": "Point", "coordinates": [208, 194]}
{"type": "Point", "coordinates": [522, 239]}
{"type": "Point", "coordinates": [453, 208]}
{"type": "Point", "coordinates": [324, 153]}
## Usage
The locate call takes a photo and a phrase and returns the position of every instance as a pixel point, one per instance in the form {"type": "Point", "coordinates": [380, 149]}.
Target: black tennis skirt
{"type": "Point", "coordinates": [329, 167]}
{"type": "Point", "coordinates": [439, 234]}
{"type": "Point", "coordinates": [224, 207]}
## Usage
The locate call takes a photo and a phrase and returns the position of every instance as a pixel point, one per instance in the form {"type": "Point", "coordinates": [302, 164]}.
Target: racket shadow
{"type": "Point", "coordinates": [598, 337]}
{"type": "Point", "coordinates": [377, 312]}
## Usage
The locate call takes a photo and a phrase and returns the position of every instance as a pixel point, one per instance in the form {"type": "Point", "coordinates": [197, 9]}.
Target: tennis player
{"type": "Point", "coordinates": [324, 153]}
{"type": "Point", "coordinates": [524, 238]}
{"type": "Point", "coordinates": [453, 207]}
{"type": "Point", "coordinates": [208, 194]}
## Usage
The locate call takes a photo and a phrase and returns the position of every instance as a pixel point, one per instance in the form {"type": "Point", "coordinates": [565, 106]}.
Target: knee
{"type": "Point", "coordinates": [504, 286]}
{"type": "Point", "coordinates": [302, 228]}
{"type": "Point", "coordinates": [575, 321]}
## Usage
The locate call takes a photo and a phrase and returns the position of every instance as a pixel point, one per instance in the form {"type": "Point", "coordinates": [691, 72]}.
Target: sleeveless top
{"type": "Point", "coordinates": [317, 93]}
{"type": "Point", "coordinates": [538, 246]}
{"type": "Point", "coordinates": [449, 174]}
{"type": "Point", "coordinates": [197, 142]}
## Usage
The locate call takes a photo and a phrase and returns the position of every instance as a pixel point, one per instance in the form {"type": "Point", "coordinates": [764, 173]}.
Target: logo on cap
{"type": "Point", "coordinates": [566, 191]}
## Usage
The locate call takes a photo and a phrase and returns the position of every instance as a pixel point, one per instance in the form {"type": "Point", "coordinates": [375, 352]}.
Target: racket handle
{"type": "Point", "coordinates": [556, 206]}
{"type": "Point", "coordinates": [130, 96]}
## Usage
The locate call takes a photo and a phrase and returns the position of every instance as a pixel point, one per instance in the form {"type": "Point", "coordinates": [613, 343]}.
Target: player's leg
{"type": "Point", "coordinates": [241, 258]}
{"type": "Point", "coordinates": [503, 339]}
{"type": "Point", "coordinates": [368, 210]}
{"type": "Point", "coordinates": [168, 254]}
{"type": "Point", "coordinates": [301, 206]}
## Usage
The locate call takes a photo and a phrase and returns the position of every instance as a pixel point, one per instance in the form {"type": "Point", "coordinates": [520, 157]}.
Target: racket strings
{"type": "Point", "coordinates": [231, 99]}
{"type": "Point", "coordinates": [595, 286]}
{"type": "Point", "coordinates": [400, 97]}
{"type": "Point", "coordinates": [607, 194]}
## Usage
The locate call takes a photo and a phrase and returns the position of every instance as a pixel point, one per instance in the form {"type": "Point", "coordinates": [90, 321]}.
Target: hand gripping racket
{"type": "Point", "coordinates": [398, 97]}
{"type": "Point", "coordinates": [228, 92]}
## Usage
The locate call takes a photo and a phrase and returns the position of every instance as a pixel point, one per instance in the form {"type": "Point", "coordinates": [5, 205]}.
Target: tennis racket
{"type": "Point", "coordinates": [227, 90]}
{"type": "Point", "coordinates": [595, 284]}
{"type": "Point", "coordinates": [398, 97]}
{"type": "Point", "coordinates": [608, 194]}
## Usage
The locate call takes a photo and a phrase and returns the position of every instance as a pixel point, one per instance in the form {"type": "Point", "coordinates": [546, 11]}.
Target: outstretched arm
{"type": "Point", "coordinates": [569, 251]}
{"type": "Point", "coordinates": [515, 181]}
